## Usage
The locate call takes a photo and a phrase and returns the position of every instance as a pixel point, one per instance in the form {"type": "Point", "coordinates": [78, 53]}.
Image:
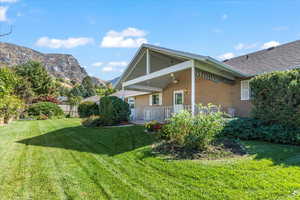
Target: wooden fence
{"type": "Point", "coordinates": [72, 110]}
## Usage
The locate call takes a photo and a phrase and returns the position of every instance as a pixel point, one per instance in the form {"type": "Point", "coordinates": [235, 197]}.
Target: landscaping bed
{"type": "Point", "coordinates": [223, 148]}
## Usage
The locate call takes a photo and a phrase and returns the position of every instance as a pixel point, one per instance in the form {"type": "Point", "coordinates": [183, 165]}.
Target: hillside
{"type": "Point", "coordinates": [59, 65]}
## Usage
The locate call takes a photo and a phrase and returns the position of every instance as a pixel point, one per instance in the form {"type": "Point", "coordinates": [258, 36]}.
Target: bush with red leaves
{"type": "Point", "coordinates": [46, 99]}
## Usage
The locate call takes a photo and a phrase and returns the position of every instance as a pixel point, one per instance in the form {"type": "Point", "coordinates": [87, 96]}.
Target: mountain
{"type": "Point", "coordinates": [59, 65]}
{"type": "Point", "coordinates": [114, 81]}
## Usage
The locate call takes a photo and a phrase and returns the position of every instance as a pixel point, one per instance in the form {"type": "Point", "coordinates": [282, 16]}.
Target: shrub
{"type": "Point", "coordinates": [113, 110]}
{"type": "Point", "coordinates": [196, 132]}
{"type": "Point", "coordinates": [205, 129]}
{"type": "Point", "coordinates": [87, 109]}
{"type": "Point", "coordinates": [179, 126]}
{"type": "Point", "coordinates": [92, 121]}
{"type": "Point", "coordinates": [10, 106]}
{"type": "Point", "coordinates": [276, 98]}
{"type": "Point", "coordinates": [253, 129]}
{"type": "Point", "coordinates": [45, 108]}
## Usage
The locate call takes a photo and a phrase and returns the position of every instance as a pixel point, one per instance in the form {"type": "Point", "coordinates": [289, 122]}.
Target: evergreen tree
{"type": "Point", "coordinates": [35, 73]}
{"type": "Point", "coordinates": [88, 85]}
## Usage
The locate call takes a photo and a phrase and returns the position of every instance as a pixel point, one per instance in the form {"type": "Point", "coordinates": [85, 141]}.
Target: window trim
{"type": "Point", "coordinates": [245, 90]}
{"type": "Point", "coordinates": [174, 98]}
{"type": "Point", "coordinates": [159, 99]}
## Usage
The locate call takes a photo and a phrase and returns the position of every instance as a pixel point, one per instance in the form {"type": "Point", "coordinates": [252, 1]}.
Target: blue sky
{"type": "Point", "coordinates": [104, 35]}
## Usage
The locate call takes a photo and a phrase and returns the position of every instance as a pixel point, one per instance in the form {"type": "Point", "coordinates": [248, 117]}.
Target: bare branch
{"type": "Point", "coordinates": [8, 33]}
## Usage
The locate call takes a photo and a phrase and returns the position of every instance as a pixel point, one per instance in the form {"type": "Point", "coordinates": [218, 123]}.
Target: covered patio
{"type": "Point", "coordinates": [154, 70]}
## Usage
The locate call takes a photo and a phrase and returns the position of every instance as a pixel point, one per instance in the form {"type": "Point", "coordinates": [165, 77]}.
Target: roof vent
{"type": "Point", "coordinates": [247, 56]}
{"type": "Point", "coordinates": [225, 60]}
{"type": "Point", "coordinates": [270, 48]}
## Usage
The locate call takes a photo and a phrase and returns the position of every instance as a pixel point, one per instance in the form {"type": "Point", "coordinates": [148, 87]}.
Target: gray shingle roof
{"type": "Point", "coordinates": [283, 57]}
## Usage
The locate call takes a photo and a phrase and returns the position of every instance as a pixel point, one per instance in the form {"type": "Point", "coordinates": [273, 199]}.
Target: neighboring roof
{"type": "Point", "coordinates": [283, 57]}
{"type": "Point", "coordinates": [128, 93]}
{"type": "Point", "coordinates": [92, 99]}
{"type": "Point", "coordinates": [182, 54]}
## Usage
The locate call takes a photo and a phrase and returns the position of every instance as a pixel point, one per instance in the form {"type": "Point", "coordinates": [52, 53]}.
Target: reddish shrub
{"type": "Point", "coordinates": [46, 99]}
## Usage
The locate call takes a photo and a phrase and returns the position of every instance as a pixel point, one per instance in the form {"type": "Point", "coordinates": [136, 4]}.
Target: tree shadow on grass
{"type": "Point", "coordinates": [279, 154]}
{"type": "Point", "coordinates": [109, 141]}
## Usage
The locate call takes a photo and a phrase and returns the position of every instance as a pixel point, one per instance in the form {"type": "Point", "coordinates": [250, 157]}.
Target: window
{"type": "Point", "coordinates": [131, 102]}
{"type": "Point", "coordinates": [245, 90]}
{"type": "Point", "coordinates": [155, 99]}
{"type": "Point", "coordinates": [178, 97]}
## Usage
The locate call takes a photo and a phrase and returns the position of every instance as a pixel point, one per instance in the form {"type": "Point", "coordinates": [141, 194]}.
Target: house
{"type": "Point", "coordinates": [94, 99]}
{"type": "Point", "coordinates": [176, 80]}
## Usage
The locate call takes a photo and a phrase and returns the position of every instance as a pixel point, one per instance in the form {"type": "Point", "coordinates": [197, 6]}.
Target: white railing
{"type": "Point", "coordinates": [162, 113]}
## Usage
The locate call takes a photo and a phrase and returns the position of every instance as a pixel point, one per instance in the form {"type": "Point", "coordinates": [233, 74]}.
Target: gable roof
{"type": "Point", "coordinates": [187, 55]}
{"type": "Point", "coordinates": [279, 58]}
{"type": "Point", "coordinates": [180, 54]}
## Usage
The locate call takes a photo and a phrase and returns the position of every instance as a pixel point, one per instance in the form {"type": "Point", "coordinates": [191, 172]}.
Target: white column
{"type": "Point", "coordinates": [148, 61]}
{"type": "Point", "coordinates": [123, 92]}
{"type": "Point", "coordinates": [193, 96]}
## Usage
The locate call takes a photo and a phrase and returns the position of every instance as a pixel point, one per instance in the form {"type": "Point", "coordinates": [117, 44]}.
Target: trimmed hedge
{"type": "Point", "coordinates": [254, 129]}
{"type": "Point", "coordinates": [44, 110]}
{"type": "Point", "coordinates": [87, 109]}
{"type": "Point", "coordinates": [113, 110]}
{"type": "Point", "coordinates": [276, 98]}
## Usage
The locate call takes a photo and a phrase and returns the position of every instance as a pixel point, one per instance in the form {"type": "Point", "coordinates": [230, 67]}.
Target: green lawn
{"type": "Point", "coordinates": [59, 159]}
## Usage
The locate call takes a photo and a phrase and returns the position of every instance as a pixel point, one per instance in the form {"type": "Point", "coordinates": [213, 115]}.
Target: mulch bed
{"type": "Point", "coordinates": [222, 148]}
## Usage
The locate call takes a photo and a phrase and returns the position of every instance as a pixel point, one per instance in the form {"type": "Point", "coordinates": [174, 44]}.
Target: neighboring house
{"type": "Point", "coordinates": [177, 80]}
{"type": "Point", "coordinates": [94, 99]}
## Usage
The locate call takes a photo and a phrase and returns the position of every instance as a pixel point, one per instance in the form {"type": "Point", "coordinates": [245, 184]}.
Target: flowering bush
{"type": "Point", "coordinates": [153, 126]}
{"type": "Point", "coordinates": [194, 131]}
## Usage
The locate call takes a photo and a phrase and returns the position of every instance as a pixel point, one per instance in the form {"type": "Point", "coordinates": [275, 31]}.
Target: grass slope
{"type": "Point", "coordinates": [59, 159]}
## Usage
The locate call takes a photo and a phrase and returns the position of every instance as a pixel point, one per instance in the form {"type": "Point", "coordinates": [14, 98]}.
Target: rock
{"type": "Point", "coordinates": [58, 65]}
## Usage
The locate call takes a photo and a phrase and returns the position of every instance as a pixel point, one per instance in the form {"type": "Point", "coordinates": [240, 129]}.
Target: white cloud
{"type": "Point", "coordinates": [270, 44]}
{"type": "Point", "coordinates": [97, 64]}
{"type": "Point", "coordinates": [241, 46]}
{"type": "Point", "coordinates": [3, 11]}
{"type": "Point", "coordinates": [226, 56]}
{"type": "Point", "coordinates": [224, 17]}
{"type": "Point", "coordinates": [8, 1]}
{"type": "Point", "coordinates": [107, 69]}
{"type": "Point", "coordinates": [128, 38]}
{"type": "Point", "coordinates": [114, 66]}
{"type": "Point", "coordinates": [121, 64]}
{"type": "Point", "coordinates": [68, 43]}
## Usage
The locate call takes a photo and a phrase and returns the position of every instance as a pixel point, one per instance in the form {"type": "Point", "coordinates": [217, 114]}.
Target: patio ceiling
{"type": "Point", "coordinates": [153, 85]}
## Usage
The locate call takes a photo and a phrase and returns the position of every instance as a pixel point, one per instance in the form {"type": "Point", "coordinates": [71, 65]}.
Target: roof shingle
{"type": "Point", "coordinates": [283, 57]}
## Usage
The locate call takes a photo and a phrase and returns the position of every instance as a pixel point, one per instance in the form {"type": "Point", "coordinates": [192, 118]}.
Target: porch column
{"type": "Point", "coordinates": [147, 61]}
{"type": "Point", "coordinates": [123, 93]}
{"type": "Point", "coordinates": [193, 96]}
